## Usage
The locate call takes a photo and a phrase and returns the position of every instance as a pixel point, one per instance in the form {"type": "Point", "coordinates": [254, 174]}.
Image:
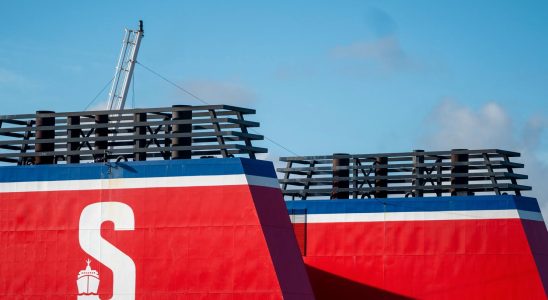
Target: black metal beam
{"type": "Point", "coordinates": [182, 131]}
{"type": "Point", "coordinates": [417, 173]}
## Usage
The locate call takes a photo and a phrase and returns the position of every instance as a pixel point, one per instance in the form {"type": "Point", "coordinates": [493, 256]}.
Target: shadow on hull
{"type": "Point", "coordinates": [330, 286]}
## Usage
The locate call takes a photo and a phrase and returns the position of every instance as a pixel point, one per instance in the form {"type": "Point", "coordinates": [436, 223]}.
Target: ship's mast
{"type": "Point", "coordinates": [124, 69]}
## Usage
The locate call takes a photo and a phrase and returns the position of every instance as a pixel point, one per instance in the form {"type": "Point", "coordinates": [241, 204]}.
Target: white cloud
{"type": "Point", "coordinates": [380, 49]}
{"type": "Point", "coordinates": [385, 53]}
{"type": "Point", "coordinates": [453, 125]}
{"type": "Point", "coordinates": [533, 130]}
{"type": "Point", "coordinates": [222, 92]}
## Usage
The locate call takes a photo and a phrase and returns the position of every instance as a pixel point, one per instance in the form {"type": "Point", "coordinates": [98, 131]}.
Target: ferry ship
{"type": "Point", "coordinates": [171, 203]}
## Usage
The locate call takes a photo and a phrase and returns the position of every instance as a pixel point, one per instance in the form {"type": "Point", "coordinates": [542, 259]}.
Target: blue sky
{"type": "Point", "coordinates": [324, 76]}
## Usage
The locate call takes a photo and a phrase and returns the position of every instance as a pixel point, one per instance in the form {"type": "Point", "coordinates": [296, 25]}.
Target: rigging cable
{"type": "Point", "coordinates": [172, 83]}
{"type": "Point", "coordinates": [275, 143]}
{"type": "Point", "coordinates": [98, 94]}
{"type": "Point", "coordinates": [206, 103]}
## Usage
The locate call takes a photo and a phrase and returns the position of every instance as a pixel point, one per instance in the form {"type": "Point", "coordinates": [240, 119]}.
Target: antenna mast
{"type": "Point", "coordinates": [124, 69]}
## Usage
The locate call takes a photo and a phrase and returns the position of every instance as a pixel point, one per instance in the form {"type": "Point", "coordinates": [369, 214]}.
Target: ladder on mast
{"type": "Point", "coordinates": [124, 69]}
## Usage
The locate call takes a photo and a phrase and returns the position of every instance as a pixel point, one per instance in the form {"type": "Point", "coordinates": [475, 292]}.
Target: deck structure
{"type": "Point", "coordinates": [177, 132]}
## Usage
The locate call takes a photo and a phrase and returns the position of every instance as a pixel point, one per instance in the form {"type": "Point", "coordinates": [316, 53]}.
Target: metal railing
{"type": "Point", "coordinates": [409, 174]}
{"type": "Point", "coordinates": [178, 132]}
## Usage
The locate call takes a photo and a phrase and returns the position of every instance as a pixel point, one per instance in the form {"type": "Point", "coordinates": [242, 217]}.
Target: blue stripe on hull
{"type": "Point", "coordinates": [458, 203]}
{"type": "Point", "coordinates": [159, 168]}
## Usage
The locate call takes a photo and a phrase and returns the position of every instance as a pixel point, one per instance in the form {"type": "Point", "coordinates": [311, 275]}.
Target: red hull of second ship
{"type": "Point", "coordinates": [466, 253]}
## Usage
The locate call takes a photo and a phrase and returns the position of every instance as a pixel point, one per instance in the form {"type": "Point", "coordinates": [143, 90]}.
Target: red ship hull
{"type": "Point", "coordinates": [218, 229]}
{"type": "Point", "coordinates": [484, 247]}
{"type": "Point", "coordinates": [200, 229]}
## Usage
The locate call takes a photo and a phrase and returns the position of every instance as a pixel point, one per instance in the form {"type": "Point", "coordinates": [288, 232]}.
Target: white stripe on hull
{"type": "Point", "coordinates": [133, 183]}
{"type": "Point", "coordinates": [417, 216]}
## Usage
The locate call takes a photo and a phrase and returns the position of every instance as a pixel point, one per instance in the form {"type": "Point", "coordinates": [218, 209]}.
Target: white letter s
{"type": "Point", "coordinates": [122, 266]}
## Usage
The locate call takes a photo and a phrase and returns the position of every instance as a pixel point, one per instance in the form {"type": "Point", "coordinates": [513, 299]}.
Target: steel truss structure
{"type": "Point", "coordinates": [178, 132]}
{"type": "Point", "coordinates": [409, 174]}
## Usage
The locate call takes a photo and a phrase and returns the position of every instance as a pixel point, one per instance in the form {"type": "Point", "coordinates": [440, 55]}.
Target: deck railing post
{"type": "Point", "coordinates": [139, 143]}
{"type": "Point", "coordinates": [167, 141]}
{"type": "Point", "coordinates": [381, 170]}
{"type": "Point", "coordinates": [182, 115]}
{"type": "Point", "coordinates": [355, 172]}
{"type": "Point", "coordinates": [418, 172]}
{"type": "Point", "coordinates": [101, 132]}
{"type": "Point", "coordinates": [340, 176]}
{"type": "Point", "coordinates": [44, 134]}
{"type": "Point", "coordinates": [73, 133]}
{"type": "Point", "coordinates": [459, 172]}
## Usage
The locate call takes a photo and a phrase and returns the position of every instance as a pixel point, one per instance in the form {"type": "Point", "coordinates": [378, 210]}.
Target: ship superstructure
{"type": "Point", "coordinates": [169, 202]}
{"type": "Point", "coordinates": [421, 225]}
{"type": "Point", "coordinates": [173, 202]}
